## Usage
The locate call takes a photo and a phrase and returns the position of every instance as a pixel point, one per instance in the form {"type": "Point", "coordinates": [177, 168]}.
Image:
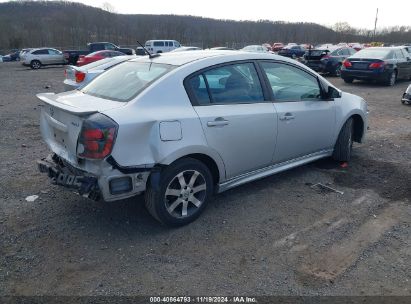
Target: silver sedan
{"type": "Point", "coordinates": [182, 127]}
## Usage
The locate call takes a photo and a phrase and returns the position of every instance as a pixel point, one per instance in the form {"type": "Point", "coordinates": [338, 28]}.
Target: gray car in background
{"type": "Point", "coordinates": [77, 77]}
{"type": "Point", "coordinates": [36, 58]}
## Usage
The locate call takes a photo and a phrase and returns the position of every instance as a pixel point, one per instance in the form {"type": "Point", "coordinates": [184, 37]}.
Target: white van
{"type": "Point", "coordinates": [161, 46]}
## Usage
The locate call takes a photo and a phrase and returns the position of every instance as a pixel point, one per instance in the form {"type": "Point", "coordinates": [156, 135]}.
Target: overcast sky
{"type": "Point", "coordinates": [358, 13]}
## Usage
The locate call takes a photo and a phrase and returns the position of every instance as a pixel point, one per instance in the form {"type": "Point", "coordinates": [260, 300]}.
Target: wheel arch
{"type": "Point", "coordinates": [210, 158]}
{"type": "Point", "coordinates": [358, 127]}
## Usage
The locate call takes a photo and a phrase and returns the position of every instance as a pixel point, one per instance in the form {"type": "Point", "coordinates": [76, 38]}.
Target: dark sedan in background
{"type": "Point", "coordinates": [383, 64]}
{"type": "Point", "coordinates": [293, 51]}
{"type": "Point", "coordinates": [328, 61]}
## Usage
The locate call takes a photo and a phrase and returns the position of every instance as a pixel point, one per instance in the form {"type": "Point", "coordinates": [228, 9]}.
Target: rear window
{"type": "Point", "coordinates": [125, 81]}
{"type": "Point", "coordinates": [373, 53]}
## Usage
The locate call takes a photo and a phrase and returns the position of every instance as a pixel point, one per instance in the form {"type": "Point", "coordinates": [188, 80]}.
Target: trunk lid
{"type": "Point", "coordinates": [316, 55]}
{"type": "Point", "coordinates": [62, 117]}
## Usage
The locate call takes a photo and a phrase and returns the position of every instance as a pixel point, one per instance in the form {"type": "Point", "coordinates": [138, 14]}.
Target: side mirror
{"type": "Point", "coordinates": [333, 93]}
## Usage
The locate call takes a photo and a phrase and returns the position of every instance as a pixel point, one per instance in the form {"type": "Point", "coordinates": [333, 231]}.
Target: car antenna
{"type": "Point", "coordinates": [149, 54]}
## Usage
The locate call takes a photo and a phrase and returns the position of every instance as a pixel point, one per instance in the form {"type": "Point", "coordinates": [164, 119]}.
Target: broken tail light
{"type": "Point", "coordinates": [97, 137]}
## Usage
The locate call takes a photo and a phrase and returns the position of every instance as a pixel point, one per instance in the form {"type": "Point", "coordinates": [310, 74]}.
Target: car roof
{"type": "Point", "coordinates": [183, 58]}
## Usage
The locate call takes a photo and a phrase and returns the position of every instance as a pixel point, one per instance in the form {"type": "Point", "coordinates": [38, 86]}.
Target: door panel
{"type": "Point", "coordinates": [243, 134]}
{"type": "Point", "coordinates": [305, 122]}
{"type": "Point", "coordinates": [304, 127]}
{"type": "Point", "coordinates": [237, 121]}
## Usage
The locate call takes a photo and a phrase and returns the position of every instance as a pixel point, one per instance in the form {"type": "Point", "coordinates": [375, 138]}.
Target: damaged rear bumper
{"type": "Point", "coordinates": [114, 183]}
{"type": "Point", "coordinates": [60, 174]}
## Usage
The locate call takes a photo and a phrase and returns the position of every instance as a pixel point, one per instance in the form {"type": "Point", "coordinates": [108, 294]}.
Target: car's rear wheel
{"type": "Point", "coordinates": [392, 79]}
{"type": "Point", "coordinates": [182, 194]}
{"type": "Point", "coordinates": [293, 56]}
{"type": "Point", "coordinates": [348, 79]}
{"type": "Point", "coordinates": [343, 146]}
{"type": "Point", "coordinates": [35, 64]}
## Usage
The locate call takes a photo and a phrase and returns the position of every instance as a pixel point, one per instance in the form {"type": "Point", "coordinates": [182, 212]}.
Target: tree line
{"type": "Point", "coordinates": [67, 24]}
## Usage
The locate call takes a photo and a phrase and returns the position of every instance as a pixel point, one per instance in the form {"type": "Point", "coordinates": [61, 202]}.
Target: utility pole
{"type": "Point", "coordinates": [375, 24]}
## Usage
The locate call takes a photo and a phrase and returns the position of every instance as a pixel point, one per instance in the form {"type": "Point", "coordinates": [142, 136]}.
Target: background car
{"type": "Point", "coordinates": [77, 77]}
{"type": "Point", "coordinates": [293, 51]}
{"type": "Point", "coordinates": [328, 61]}
{"type": "Point", "coordinates": [83, 60]}
{"type": "Point", "coordinates": [161, 46]}
{"type": "Point", "coordinates": [382, 64]}
{"type": "Point", "coordinates": [227, 118]}
{"type": "Point", "coordinates": [140, 51]}
{"type": "Point", "coordinates": [268, 46]}
{"type": "Point", "coordinates": [36, 58]}
{"type": "Point", "coordinates": [277, 46]}
{"type": "Point", "coordinates": [255, 49]}
{"type": "Point", "coordinates": [23, 53]}
{"type": "Point", "coordinates": [406, 97]}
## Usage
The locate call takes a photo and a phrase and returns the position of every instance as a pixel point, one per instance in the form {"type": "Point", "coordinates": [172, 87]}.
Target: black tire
{"type": "Point", "coordinates": [348, 79]}
{"type": "Point", "coordinates": [343, 146]}
{"type": "Point", "coordinates": [169, 208]}
{"type": "Point", "coordinates": [35, 64]}
{"type": "Point", "coordinates": [392, 79]}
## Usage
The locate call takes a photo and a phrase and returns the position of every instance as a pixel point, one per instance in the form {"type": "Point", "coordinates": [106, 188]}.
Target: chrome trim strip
{"type": "Point", "coordinates": [270, 170]}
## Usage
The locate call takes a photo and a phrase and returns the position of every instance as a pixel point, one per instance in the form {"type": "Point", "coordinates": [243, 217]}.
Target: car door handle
{"type": "Point", "coordinates": [218, 122]}
{"type": "Point", "coordinates": [287, 116]}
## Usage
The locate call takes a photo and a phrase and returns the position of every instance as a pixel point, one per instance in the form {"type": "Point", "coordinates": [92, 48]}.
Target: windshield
{"type": "Point", "coordinates": [127, 80]}
{"type": "Point", "coordinates": [373, 53]}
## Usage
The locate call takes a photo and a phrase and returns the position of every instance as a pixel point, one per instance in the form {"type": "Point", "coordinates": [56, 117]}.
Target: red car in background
{"type": "Point", "coordinates": [83, 60]}
{"type": "Point", "coordinates": [277, 46]}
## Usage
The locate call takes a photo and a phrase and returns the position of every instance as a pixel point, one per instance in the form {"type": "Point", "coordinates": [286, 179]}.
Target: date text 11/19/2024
{"type": "Point", "coordinates": [203, 299]}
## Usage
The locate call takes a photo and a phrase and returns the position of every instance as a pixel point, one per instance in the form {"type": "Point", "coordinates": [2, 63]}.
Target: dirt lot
{"type": "Point", "coordinates": [276, 236]}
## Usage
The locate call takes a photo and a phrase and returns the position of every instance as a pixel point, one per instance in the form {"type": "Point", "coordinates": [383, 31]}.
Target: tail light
{"type": "Point", "coordinates": [80, 76]}
{"type": "Point", "coordinates": [97, 137]}
{"type": "Point", "coordinates": [326, 57]}
{"type": "Point", "coordinates": [377, 65]}
{"type": "Point", "coordinates": [347, 63]}
{"type": "Point", "coordinates": [65, 73]}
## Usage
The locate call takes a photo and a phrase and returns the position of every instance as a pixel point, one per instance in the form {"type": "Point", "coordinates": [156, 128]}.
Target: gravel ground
{"type": "Point", "coordinates": [275, 236]}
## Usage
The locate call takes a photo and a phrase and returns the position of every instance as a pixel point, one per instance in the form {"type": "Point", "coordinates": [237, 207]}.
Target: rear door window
{"type": "Point", "coordinates": [41, 52]}
{"type": "Point", "coordinates": [53, 52]}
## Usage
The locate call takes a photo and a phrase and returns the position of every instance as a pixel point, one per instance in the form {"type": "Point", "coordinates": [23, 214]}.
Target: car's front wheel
{"type": "Point", "coordinates": [343, 146]}
{"type": "Point", "coordinates": [182, 193]}
{"type": "Point", "coordinates": [35, 64]}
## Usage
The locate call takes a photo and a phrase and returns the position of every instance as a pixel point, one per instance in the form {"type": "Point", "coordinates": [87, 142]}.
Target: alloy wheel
{"type": "Point", "coordinates": [185, 194]}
